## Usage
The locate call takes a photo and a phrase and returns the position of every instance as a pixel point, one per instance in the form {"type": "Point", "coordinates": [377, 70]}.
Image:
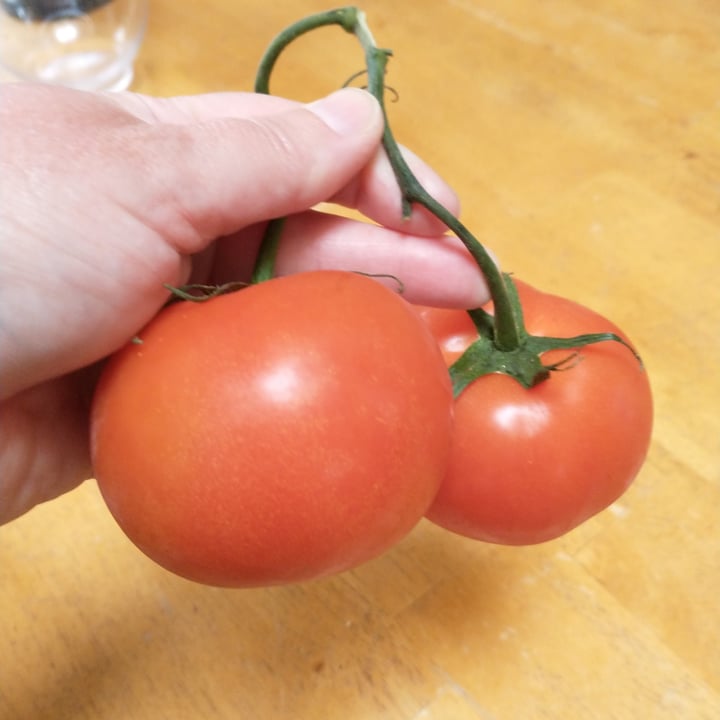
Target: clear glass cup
{"type": "Point", "coordinates": [85, 44]}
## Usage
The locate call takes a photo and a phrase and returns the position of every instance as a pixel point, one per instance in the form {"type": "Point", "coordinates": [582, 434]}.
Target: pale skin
{"type": "Point", "coordinates": [106, 197]}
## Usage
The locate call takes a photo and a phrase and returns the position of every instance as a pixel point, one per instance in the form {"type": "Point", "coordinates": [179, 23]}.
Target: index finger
{"type": "Point", "coordinates": [374, 191]}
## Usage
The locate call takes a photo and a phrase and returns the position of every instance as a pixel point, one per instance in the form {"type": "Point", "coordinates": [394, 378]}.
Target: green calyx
{"type": "Point", "coordinates": [503, 344]}
{"type": "Point", "coordinates": [522, 362]}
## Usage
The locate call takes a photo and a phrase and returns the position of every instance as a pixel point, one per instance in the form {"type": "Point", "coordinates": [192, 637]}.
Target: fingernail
{"type": "Point", "coordinates": [347, 111]}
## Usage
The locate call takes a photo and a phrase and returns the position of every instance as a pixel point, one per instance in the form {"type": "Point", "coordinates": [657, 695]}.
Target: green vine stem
{"type": "Point", "coordinates": [353, 20]}
{"type": "Point", "coordinates": [265, 264]}
{"type": "Point", "coordinates": [503, 345]}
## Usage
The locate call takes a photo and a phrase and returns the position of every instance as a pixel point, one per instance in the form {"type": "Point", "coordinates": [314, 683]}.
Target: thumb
{"type": "Point", "coordinates": [222, 174]}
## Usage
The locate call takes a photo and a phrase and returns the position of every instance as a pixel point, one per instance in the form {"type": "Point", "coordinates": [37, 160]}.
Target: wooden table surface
{"type": "Point", "coordinates": [584, 141]}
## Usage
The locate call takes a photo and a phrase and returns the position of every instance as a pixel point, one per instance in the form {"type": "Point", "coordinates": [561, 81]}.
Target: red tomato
{"type": "Point", "coordinates": [289, 430]}
{"type": "Point", "coordinates": [529, 465]}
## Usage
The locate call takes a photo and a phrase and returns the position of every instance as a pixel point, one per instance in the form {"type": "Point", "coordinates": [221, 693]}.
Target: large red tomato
{"type": "Point", "coordinates": [283, 432]}
{"type": "Point", "coordinates": [529, 465]}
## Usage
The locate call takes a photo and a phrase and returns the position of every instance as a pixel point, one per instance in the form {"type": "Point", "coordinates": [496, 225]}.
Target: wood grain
{"type": "Point", "coordinates": [583, 141]}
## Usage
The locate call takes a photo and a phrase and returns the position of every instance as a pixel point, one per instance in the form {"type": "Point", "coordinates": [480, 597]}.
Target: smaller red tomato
{"type": "Point", "coordinates": [528, 465]}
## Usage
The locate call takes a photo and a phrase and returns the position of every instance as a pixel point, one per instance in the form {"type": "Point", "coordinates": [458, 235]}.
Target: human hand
{"type": "Point", "coordinates": [107, 197]}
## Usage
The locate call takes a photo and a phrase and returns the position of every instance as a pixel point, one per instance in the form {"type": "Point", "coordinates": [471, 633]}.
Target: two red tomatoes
{"type": "Point", "coordinates": [304, 425]}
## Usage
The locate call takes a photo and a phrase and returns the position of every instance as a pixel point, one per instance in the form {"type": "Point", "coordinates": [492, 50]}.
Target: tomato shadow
{"type": "Point", "coordinates": [363, 640]}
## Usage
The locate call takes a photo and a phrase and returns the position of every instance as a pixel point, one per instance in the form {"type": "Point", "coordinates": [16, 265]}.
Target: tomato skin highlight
{"type": "Point", "coordinates": [528, 466]}
{"type": "Point", "coordinates": [290, 430]}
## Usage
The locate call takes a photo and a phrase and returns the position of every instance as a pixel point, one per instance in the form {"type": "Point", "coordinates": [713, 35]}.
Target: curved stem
{"type": "Point", "coordinates": [346, 17]}
{"type": "Point", "coordinates": [265, 264]}
{"type": "Point", "coordinates": [508, 329]}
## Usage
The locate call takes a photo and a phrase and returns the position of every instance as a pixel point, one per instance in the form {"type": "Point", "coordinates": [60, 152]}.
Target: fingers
{"type": "Point", "coordinates": [186, 109]}
{"type": "Point", "coordinates": [44, 444]}
{"type": "Point", "coordinates": [433, 270]}
{"type": "Point", "coordinates": [374, 191]}
{"type": "Point", "coordinates": [208, 179]}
